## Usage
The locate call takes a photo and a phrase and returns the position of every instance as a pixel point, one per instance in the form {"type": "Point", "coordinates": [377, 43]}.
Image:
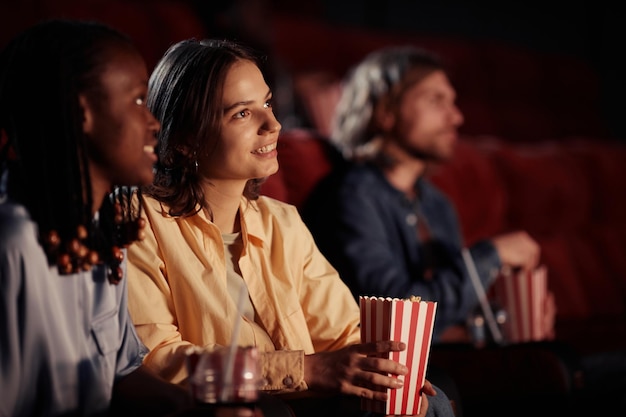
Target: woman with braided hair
{"type": "Point", "coordinates": [74, 127]}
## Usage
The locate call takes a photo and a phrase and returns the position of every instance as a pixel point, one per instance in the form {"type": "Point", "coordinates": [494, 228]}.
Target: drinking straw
{"type": "Point", "coordinates": [482, 296]}
{"type": "Point", "coordinates": [230, 359]}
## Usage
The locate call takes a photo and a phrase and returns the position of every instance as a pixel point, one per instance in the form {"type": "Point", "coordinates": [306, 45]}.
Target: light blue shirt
{"type": "Point", "coordinates": [64, 339]}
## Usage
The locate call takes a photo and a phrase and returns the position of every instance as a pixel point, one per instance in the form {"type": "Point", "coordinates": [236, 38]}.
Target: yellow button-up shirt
{"type": "Point", "coordinates": [178, 294]}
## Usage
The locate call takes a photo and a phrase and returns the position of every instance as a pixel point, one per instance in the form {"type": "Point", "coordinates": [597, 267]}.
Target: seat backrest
{"type": "Point", "coordinates": [305, 157]}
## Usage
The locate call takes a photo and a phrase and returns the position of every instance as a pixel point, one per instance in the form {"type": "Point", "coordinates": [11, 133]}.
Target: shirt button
{"type": "Point", "coordinates": [411, 219]}
{"type": "Point", "coordinates": [288, 381]}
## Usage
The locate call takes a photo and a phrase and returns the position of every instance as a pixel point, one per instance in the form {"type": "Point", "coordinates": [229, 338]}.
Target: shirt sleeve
{"type": "Point", "coordinates": [152, 310]}
{"type": "Point", "coordinates": [331, 312]}
{"type": "Point", "coordinates": [332, 316]}
{"type": "Point", "coordinates": [17, 340]}
{"type": "Point", "coordinates": [282, 371]}
{"type": "Point", "coordinates": [132, 351]}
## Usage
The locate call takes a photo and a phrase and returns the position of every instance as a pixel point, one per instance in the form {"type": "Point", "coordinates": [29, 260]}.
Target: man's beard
{"type": "Point", "coordinates": [425, 154]}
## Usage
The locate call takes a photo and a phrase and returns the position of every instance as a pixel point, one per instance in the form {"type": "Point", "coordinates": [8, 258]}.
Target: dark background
{"type": "Point", "coordinates": [590, 30]}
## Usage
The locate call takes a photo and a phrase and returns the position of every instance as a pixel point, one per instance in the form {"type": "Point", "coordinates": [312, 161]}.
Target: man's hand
{"type": "Point", "coordinates": [517, 250]}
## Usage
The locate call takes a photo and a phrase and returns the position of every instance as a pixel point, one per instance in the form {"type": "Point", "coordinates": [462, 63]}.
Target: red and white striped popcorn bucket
{"type": "Point", "coordinates": [523, 296]}
{"type": "Point", "coordinates": [407, 321]}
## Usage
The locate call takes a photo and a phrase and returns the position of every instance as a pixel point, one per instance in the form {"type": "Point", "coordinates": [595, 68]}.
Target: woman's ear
{"type": "Point", "coordinates": [87, 114]}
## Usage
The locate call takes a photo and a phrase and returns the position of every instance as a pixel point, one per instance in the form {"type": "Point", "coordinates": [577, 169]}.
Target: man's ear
{"type": "Point", "coordinates": [87, 114]}
{"type": "Point", "coordinates": [384, 116]}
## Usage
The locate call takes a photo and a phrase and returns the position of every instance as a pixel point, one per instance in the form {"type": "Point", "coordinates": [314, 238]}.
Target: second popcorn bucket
{"type": "Point", "coordinates": [407, 320]}
{"type": "Point", "coordinates": [523, 296]}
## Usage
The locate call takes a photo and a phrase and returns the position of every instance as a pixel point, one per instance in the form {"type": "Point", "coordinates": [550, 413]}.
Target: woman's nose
{"type": "Point", "coordinates": [272, 124]}
{"type": "Point", "coordinates": [153, 122]}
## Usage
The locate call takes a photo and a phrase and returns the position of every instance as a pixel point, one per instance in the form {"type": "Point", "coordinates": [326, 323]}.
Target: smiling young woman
{"type": "Point", "coordinates": [74, 127]}
{"type": "Point", "coordinates": [211, 238]}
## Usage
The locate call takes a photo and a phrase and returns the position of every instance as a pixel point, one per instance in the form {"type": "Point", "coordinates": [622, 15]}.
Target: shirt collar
{"type": "Point", "coordinates": [251, 223]}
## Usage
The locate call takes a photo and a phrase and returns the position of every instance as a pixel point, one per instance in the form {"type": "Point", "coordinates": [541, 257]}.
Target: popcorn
{"type": "Point", "coordinates": [410, 321]}
{"type": "Point", "coordinates": [523, 296]}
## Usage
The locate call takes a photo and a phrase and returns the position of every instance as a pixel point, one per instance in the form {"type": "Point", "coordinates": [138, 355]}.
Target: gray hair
{"type": "Point", "coordinates": [365, 85]}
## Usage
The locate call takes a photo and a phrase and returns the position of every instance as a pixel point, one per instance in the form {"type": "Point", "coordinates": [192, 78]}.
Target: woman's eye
{"type": "Point", "coordinates": [268, 104]}
{"type": "Point", "coordinates": [241, 114]}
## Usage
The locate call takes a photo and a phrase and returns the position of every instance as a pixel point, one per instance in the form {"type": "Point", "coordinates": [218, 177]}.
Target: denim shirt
{"type": "Point", "coordinates": [368, 230]}
{"type": "Point", "coordinates": [64, 339]}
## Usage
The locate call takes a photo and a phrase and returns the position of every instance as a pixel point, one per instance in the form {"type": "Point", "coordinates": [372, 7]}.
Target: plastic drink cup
{"type": "Point", "coordinates": [211, 385]}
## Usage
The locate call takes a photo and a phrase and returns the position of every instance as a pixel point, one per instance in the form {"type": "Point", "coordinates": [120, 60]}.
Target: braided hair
{"type": "Point", "coordinates": [42, 151]}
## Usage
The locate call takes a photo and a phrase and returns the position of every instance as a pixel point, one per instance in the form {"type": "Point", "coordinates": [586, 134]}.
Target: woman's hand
{"type": "Point", "coordinates": [427, 390]}
{"type": "Point", "coordinates": [351, 371]}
